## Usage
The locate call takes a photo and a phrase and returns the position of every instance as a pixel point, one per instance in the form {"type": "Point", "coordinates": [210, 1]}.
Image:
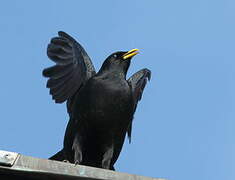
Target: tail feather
{"type": "Point", "coordinates": [112, 168]}
{"type": "Point", "coordinates": [59, 156]}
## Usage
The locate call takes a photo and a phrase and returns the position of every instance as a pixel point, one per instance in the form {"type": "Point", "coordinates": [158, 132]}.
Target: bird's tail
{"type": "Point", "coordinates": [112, 168]}
{"type": "Point", "coordinates": [59, 156]}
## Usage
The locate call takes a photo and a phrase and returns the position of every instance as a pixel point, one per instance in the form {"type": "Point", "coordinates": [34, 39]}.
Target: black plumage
{"type": "Point", "coordinates": [100, 105]}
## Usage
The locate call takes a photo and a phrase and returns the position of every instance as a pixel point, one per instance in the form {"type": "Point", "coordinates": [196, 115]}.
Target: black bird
{"type": "Point", "coordinates": [100, 105]}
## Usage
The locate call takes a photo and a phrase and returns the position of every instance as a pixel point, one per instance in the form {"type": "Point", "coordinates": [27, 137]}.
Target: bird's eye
{"type": "Point", "coordinates": [115, 55]}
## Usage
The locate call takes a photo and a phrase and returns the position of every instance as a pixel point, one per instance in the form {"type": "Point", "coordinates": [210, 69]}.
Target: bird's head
{"type": "Point", "coordinates": [118, 62]}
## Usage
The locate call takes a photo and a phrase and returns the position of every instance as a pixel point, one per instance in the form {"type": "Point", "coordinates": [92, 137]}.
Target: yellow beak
{"type": "Point", "coordinates": [130, 53]}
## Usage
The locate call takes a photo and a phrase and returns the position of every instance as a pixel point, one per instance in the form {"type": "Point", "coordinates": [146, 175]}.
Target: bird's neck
{"type": "Point", "coordinates": [113, 74]}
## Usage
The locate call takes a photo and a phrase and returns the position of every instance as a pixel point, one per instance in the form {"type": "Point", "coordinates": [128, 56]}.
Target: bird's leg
{"type": "Point", "coordinates": [107, 157]}
{"type": "Point", "coordinates": [69, 141]}
{"type": "Point", "coordinates": [77, 148]}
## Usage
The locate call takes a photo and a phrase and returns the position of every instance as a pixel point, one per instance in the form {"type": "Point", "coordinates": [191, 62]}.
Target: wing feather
{"type": "Point", "coordinates": [73, 67]}
{"type": "Point", "coordinates": [138, 82]}
{"type": "Point", "coordinates": [57, 71]}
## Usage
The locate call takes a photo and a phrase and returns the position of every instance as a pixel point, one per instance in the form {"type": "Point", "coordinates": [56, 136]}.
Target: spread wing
{"type": "Point", "coordinates": [73, 67]}
{"type": "Point", "coordinates": [138, 82]}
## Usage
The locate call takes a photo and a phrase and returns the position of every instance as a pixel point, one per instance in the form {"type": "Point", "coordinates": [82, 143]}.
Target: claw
{"type": "Point", "coordinates": [76, 163]}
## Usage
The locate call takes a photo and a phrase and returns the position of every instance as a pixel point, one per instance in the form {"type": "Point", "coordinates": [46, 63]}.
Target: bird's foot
{"type": "Point", "coordinates": [66, 161]}
{"type": "Point", "coordinates": [76, 163]}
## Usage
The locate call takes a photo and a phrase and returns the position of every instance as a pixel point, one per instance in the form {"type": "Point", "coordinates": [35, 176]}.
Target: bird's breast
{"type": "Point", "coordinates": [105, 100]}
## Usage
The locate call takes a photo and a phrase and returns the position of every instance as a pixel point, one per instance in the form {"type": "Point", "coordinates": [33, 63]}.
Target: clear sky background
{"type": "Point", "coordinates": [184, 127]}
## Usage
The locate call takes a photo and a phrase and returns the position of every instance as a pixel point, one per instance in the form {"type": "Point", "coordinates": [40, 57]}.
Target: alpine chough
{"type": "Point", "coordinates": [100, 105]}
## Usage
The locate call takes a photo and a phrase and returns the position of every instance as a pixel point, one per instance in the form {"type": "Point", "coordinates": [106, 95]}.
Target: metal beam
{"type": "Point", "coordinates": [14, 166]}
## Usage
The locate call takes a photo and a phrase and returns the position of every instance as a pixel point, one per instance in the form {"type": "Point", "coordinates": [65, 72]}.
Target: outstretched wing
{"type": "Point", "coordinates": [73, 67]}
{"type": "Point", "coordinates": [138, 82]}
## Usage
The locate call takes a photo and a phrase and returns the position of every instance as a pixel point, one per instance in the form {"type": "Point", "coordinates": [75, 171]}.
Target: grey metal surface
{"type": "Point", "coordinates": [34, 168]}
{"type": "Point", "coordinates": [7, 158]}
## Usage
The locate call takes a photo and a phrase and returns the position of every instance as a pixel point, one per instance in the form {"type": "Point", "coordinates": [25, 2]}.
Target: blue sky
{"type": "Point", "coordinates": [184, 125]}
